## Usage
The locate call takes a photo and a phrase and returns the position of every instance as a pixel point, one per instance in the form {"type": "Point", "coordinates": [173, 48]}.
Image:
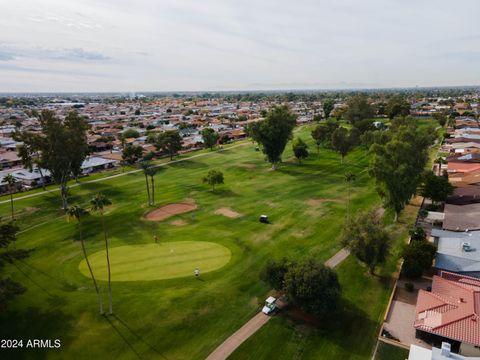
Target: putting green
{"type": "Point", "coordinates": [157, 261]}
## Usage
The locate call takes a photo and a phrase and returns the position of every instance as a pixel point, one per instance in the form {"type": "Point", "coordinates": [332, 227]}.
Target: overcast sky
{"type": "Point", "coordinates": [165, 45]}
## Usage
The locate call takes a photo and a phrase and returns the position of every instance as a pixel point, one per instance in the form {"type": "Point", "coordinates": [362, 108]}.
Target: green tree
{"type": "Point", "coordinates": [397, 106]}
{"type": "Point", "coordinates": [274, 133]}
{"type": "Point", "coordinates": [210, 137]}
{"type": "Point", "coordinates": [358, 109]}
{"type": "Point", "coordinates": [313, 287]}
{"type": "Point", "coordinates": [131, 154]}
{"type": "Point", "coordinates": [98, 203]}
{"type": "Point", "coordinates": [213, 178]}
{"type": "Point", "coordinates": [11, 182]}
{"type": "Point", "coordinates": [9, 289]}
{"type": "Point", "coordinates": [328, 105]}
{"type": "Point", "coordinates": [252, 130]}
{"type": "Point", "coordinates": [343, 140]}
{"type": "Point", "coordinates": [76, 212]}
{"type": "Point", "coordinates": [436, 188]}
{"type": "Point", "coordinates": [364, 125]}
{"type": "Point", "coordinates": [300, 149]}
{"type": "Point", "coordinates": [29, 156]}
{"type": "Point", "coordinates": [418, 257]}
{"type": "Point", "coordinates": [397, 166]}
{"type": "Point", "coordinates": [169, 141]}
{"type": "Point", "coordinates": [274, 273]}
{"type": "Point", "coordinates": [322, 133]}
{"type": "Point", "coordinates": [130, 133]}
{"type": "Point", "coordinates": [367, 239]}
{"type": "Point", "coordinates": [61, 145]}
{"type": "Point", "coordinates": [145, 165]}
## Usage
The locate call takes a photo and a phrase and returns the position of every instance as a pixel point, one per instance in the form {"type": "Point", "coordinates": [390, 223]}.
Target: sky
{"type": "Point", "coordinates": [215, 45]}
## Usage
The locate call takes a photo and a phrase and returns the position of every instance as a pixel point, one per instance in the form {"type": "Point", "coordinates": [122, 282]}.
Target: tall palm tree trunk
{"type": "Point", "coordinates": [11, 205]}
{"type": "Point", "coordinates": [110, 306]}
{"type": "Point", "coordinates": [100, 306]}
{"type": "Point", "coordinates": [148, 189]}
{"type": "Point", "coordinates": [153, 191]}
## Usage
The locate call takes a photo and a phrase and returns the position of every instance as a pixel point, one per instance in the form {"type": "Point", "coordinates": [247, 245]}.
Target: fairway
{"type": "Point", "coordinates": [161, 310]}
{"type": "Point", "coordinates": [158, 261]}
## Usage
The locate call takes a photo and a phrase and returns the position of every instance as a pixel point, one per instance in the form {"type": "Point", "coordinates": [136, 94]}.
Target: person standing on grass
{"type": "Point", "coordinates": [155, 238]}
{"type": "Point", "coordinates": [196, 273]}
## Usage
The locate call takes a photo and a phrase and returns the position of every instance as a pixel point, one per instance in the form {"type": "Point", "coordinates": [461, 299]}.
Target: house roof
{"type": "Point", "coordinates": [451, 309]}
{"type": "Point", "coordinates": [465, 195]}
{"type": "Point", "coordinates": [462, 217]}
{"type": "Point", "coordinates": [451, 254]}
{"type": "Point", "coordinates": [463, 167]}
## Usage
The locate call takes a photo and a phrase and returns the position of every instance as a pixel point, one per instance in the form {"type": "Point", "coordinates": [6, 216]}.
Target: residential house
{"type": "Point", "coordinates": [449, 312]}
{"type": "Point", "coordinates": [457, 251]}
{"type": "Point", "coordinates": [442, 353]}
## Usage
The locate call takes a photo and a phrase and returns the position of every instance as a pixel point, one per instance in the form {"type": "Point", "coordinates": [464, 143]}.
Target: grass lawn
{"type": "Point", "coordinates": [390, 352]}
{"type": "Point", "coordinates": [167, 260]}
{"type": "Point", "coordinates": [183, 318]}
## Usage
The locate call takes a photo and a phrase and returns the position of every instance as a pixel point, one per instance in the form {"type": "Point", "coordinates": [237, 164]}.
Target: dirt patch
{"type": "Point", "coordinates": [170, 210]}
{"type": "Point", "coordinates": [228, 213]}
{"type": "Point", "coordinates": [380, 212]}
{"type": "Point", "coordinates": [178, 222]}
{"type": "Point", "coordinates": [298, 315]}
{"type": "Point", "coordinates": [248, 166]}
{"type": "Point", "coordinates": [30, 210]}
{"type": "Point", "coordinates": [316, 202]}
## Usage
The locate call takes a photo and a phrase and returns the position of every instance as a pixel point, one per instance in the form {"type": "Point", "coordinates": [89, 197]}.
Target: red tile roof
{"type": "Point", "coordinates": [451, 309]}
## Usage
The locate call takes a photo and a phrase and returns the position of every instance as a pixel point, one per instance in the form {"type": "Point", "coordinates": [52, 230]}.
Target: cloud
{"type": "Point", "coordinates": [6, 56]}
{"type": "Point", "coordinates": [68, 54]}
{"type": "Point", "coordinates": [237, 44]}
{"type": "Point", "coordinates": [78, 54]}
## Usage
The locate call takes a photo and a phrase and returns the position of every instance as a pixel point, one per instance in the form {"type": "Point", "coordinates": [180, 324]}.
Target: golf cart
{"type": "Point", "coordinates": [264, 219]}
{"type": "Point", "coordinates": [270, 305]}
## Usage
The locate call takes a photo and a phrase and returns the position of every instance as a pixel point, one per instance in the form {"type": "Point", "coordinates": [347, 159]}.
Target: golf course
{"type": "Point", "coordinates": [161, 310]}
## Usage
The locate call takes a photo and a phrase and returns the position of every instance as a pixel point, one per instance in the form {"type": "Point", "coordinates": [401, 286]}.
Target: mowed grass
{"type": "Point", "coordinates": [183, 318]}
{"type": "Point", "coordinates": [389, 352]}
{"type": "Point", "coordinates": [157, 261]}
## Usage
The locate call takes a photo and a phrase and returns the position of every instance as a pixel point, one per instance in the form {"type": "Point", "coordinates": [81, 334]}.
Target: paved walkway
{"type": "Point", "coordinates": [121, 174]}
{"type": "Point", "coordinates": [226, 348]}
{"type": "Point", "coordinates": [337, 258]}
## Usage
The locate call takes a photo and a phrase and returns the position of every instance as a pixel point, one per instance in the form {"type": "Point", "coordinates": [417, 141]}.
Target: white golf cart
{"type": "Point", "coordinates": [270, 305]}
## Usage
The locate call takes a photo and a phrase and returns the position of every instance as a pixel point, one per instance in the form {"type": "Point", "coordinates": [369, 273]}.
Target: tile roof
{"type": "Point", "coordinates": [451, 309]}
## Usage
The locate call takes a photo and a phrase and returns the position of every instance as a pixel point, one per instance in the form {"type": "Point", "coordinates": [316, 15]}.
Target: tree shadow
{"type": "Point", "coordinates": [224, 193]}
{"type": "Point", "coordinates": [347, 326]}
{"type": "Point", "coordinates": [187, 164]}
{"type": "Point", "coordinates": [31, 324]}
{"type": "Point", "coordinates": [130, 332]}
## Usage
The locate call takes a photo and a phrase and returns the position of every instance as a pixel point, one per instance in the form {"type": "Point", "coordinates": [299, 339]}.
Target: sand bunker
{"type": "Point", "coordinates": [248, 166]}
{"type": "Point", "coordinates": [170, 210]}
{"type": "Point", "coordinates": [316, 202]}
{"type": "Point", "coordinates": [178, 222]}
{"type": "Point", "coordinates": [228, 213]}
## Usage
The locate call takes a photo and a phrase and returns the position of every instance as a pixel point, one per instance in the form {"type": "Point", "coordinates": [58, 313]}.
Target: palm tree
{"type": "Point", "coordinates": [151, 171]}
{"type": "Point", "coordinates": [97, 204]}
{"type": "Point", "coordinates": [439, 161]}
{"type": "Point", "coordinates": [145, 165]}
{"type": "Point", "coordinates": [11, 181]}
{"type": "Point", "coordinates": [76, 212]}
{"type": "Point", "coordinates": [349, 178]}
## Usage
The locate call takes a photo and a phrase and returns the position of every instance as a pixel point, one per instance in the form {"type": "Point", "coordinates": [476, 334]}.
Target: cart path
{"type": "Point", "coordinates": [337, 258]}
{"type": "Point", "coordinates": [225, 349]}
{"type": "Point", "coordinates": [122, 174]}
